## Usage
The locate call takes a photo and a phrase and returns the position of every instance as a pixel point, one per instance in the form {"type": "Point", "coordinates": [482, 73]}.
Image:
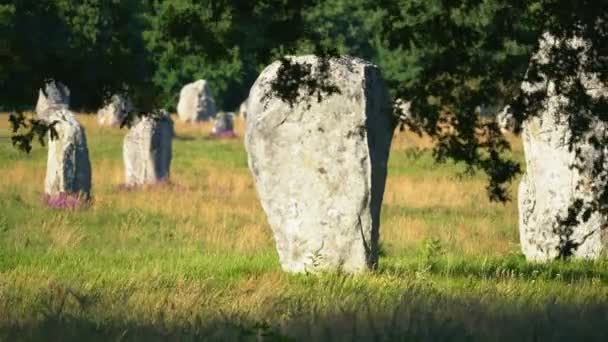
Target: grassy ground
{"type": "Point", "coordinates": [195, 260]}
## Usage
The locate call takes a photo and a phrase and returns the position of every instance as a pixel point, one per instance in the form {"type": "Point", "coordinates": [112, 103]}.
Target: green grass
{"type": "Point", "coordinates": [196, 261]}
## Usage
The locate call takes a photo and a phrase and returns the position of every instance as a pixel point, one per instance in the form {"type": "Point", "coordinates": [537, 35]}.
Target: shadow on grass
{"type": "Point", "coordinates": [421, 314]}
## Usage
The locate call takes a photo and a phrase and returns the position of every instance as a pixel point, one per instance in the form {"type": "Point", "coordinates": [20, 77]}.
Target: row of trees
{"type": "Point", "coordinates": [446, 56]}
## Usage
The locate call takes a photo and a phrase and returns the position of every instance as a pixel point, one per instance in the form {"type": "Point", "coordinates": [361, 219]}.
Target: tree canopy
{"type": "Point", "coordinates": [445, 56]}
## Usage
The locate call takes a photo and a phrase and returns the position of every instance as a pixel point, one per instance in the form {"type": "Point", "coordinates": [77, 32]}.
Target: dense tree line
{"type": "Point", "coordinates": [446, 56]}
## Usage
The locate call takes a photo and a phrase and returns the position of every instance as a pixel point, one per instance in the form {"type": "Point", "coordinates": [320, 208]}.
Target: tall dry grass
{"type": "Point", "coordinates": [219, 208]}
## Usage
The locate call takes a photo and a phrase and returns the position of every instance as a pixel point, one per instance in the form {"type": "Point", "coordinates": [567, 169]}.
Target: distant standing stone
{"type": "Point", "coordinates": [53, 95]}
{"type": "Point", "coordinates": [223, 126]}
{"type": "Point", "coordinates": [114, 111]}
{"type": "Point", "coordinates": [147, 151]}
{"type": "Point", "coordinates": [243, 109]}
{"type": "Point", "coordinates": [557, 175]}
{"type": "Point", "coordinates": [68, 172]}
{"type": "Point", "coordinates": [196, 103]}
{"type": "Point", "coordinates": [320, 167]}
{"type": "Point", "coordinates": [505, 120]}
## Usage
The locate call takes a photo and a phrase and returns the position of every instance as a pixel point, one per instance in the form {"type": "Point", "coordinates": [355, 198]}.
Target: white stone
{"type": "Point", "coordinates": [196, 103]}
{"type": "Point", "coordinates": [147, 151]}
{"type": "Point", "coordinates": [68, 169]}
{"type": "Point", "coordinates": [54, 95]}
{"type": "Point", "coordinates": [320, 167]}
{"type": "Point", "coordinates": [114, 111]}
{"type": "Point", "coordinates": [555, 175]}
{"type": "Point", "coordinates": [223, 124]}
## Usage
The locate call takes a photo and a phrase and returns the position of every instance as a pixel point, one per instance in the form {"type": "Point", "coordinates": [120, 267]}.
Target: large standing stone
{"type": "Point", "coordinates": [54, 95]}
{"type": "Point", "coordinates": [68, 172]}
{"type": "Point", "coordinates": [114, 111]}
{"type": "Point", "coordinates": [196, 103]}
{"type": "Point", "coordinates": [558, 175]}
{"type": "Point", "coordinates": [320, 167]}
{"type": "Point", "coordinates": [147, 151]}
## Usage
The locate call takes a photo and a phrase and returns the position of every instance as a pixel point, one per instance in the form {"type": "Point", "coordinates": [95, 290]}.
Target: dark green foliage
{"type": "Point", "coordinates": [25, 130]}
{"type": "Point", "coordinates": [446, 56]}
{"type": "Point", "coordinates": [94, 47]}
{"type": "Point", "coordinates": [297, 81]}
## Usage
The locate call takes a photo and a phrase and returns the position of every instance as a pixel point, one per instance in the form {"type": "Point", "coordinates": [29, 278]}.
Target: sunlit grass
{"type": "Point", "coordinates": [196, 258]}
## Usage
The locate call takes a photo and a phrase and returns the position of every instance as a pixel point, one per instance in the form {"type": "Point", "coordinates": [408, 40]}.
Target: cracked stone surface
{"type": "Point", "coordinates": [551, 183]}
{"type": "Point", "coordinates": [68, 169]}
{"type": "Point", "coordinates": [320, 167]}
{"type": "Point", "coordinates": [196, 103]}
{"type": "Point", "coordinates": [147, 151]}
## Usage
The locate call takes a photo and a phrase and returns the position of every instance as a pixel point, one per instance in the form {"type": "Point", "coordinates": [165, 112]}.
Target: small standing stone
{"type": "Point", "coordinates": [68, 172]}
{"type": "Point", "coordinates": [320, 167]}
{"type": "Point", "coordinates": [147, 150]}
{"type": "Point", "coordinates": [196, 103]}
{"type": "Point", "coordinates": [223, 126]}
{"type": "Point", "coordinates": [53, 95]}
{"type": "Point", "coordinates": [114, 111]}
{"type": "Point", "coordinates": [243, 109]}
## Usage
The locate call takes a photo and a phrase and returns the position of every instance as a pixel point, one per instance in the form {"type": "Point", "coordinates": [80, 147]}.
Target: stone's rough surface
{"type": "Point", "coordinates": [223, 124]}
{"type": "Point", "coordinates": [196, 103]}
{"type": "Point", "coordinates": [147, 151]}
{"type": "Point", "coordinates": [54, 95]}
{"type": "Point", "coordinates": [557, 175]}
{"type": "Point", "coordinates": [68, 171]}
{"type": "Point", "coordinates": [320, 167]}
{"type": "Point", "coordinates": [115, 111]}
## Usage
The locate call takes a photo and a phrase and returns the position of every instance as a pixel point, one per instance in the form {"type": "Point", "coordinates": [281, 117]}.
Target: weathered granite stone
{"type": "Point", "coordinates": [558, 175]}
{"type": "Point", "coordinates": [114, 111]}
{"type": "Point", "coordinates": [223, 125]}
{"type": "Point", "coordinates": [68, 171]}
{"type": "Point", "coordinates": [54, 95]}
{"type": "Point", "coordinates": [196, 103]}
{"type": "Point", "coordinates": [147, 151]}
{"type": "Point", "coordinates": [320, 167]}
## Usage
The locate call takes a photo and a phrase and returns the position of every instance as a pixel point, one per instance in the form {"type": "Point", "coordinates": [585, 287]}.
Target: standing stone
{"type": "Point", "coordinates": [403, 109]}
{"type": "Point", "coordinates": [223, 126]}
{"type": "Point", "coordinates": [558, 175]}
{"type": "Point", "coordinates": [54, 95]}
{"type": "Point", "coordinates": [243, 109]}
{"type": "Point", "coordinates": [68, 172]}
{"type": "Point", "coordinates": [196, 103]}
{"type": "Point", "coordinates": [506, 121]}
{"type": "Point", "coordinates": [147, 150]}
{"type": "Point", "coordinates": [487, 111]}
{"type": "Point", "coordinates": [114, 111]}
{"type": "Point", "coordinates": [320, 167]}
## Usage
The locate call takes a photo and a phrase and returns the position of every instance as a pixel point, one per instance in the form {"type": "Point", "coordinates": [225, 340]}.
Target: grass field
{"type": "Point", "coordinates": [195, 260]}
